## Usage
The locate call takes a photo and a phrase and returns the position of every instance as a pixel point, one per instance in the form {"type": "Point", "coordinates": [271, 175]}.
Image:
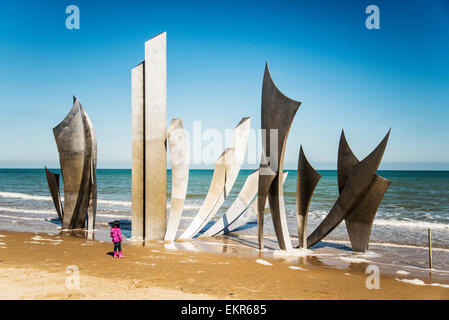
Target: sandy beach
{"type": "Point", "coordinates": [34, 266]}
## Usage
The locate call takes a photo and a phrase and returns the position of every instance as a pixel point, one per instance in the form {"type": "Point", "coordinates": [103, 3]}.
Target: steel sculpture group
{"type": "Point", "coordinates": [360, 188]}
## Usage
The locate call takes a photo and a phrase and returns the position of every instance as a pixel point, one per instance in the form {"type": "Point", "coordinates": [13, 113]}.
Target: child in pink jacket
{"type": "Point", "coordinates": [116, 235]}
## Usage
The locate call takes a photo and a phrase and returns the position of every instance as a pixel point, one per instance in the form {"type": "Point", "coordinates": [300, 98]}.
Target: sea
{"type": "Point", "coordinates": [415, 202]}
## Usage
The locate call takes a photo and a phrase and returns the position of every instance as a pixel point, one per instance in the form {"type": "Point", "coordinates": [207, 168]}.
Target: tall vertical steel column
{"type": "Point", "coordinates": [149, 155]}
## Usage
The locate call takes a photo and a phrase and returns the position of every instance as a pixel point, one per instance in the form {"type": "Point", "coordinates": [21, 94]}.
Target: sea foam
{"type": "Point", "coordinates": [263, 262]}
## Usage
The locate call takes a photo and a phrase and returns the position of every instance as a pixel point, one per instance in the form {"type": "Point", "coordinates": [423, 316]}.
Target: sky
{"type": "Point", "coordinates": [319, 52]}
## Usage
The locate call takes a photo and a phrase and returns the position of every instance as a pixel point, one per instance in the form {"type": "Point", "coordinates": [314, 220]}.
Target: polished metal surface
{"type": "Point", "coordinates": [137, 153]}
{"type": "Point", "coordinates": [179, 158]}
{"type": "Point", "coordinates": [149, 135]}
{"type": "Point", "coordinates": [92, 206]}
{"type": "Point", "coordinates": [77, 147]}
{"type": "Point", "coordinates": [155, 122]}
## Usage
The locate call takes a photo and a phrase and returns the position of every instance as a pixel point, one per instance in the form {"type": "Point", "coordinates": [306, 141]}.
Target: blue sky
{"type": "Point", "coordinates": [319, 52]}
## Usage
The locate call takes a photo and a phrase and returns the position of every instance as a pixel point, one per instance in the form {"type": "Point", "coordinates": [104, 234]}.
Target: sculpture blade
{"type": "Point", "coordinates": [53, 185]}
{"type": "Point", "coordinates": [360, 221]}
{"type": "Point", "coordinates": [239, 206]}
{"type": "Point", "coordinates": [306, 180]}
{"type": "Point", "coordinates": [263, 188]}
{"type": "Point", "coordinates": [357, 184]}
{"type": "Point", "coordinates": [346, 161]}
{"type": "Point", "coordinates": [138, 153]}
{"type": "Point", "coordinates": [92, 206]}
{"type": "Point", "coordinates": [278, 112]}
{"type": "Point", "coordinates": [228, 168]}
{"type": "Point", "coordinates": [233, 219]}
{"type": "Point", "coordinates": [214, 195]}
{"type": "Point", "coordinates": [179, 157]}
{"type": "Point", "coordinates": [155, 124]}
{"type": "Point", "coordinates": [82, 201]}
{"type": "Point", "coordinates": [70, 140]}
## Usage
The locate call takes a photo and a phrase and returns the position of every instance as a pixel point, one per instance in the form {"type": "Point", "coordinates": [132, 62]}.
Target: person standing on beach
{"type": "Point", "coordinates": [116, 235]}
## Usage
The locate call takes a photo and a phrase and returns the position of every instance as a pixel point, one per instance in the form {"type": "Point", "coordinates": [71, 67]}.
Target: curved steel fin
{"type": "Point", "coordinates": [179, 157]}
{"type": "Point", "coordinates": [306, 180]}
{"type": "Point", "coordinates": [227, 168]}
{"type": "Point", "coordinates": [214, 196]}
{"type": "Point", "coordinates": [53, 185]}
{"type": "Point", "coordinates": [278, 112]}
{"type": "Point", "coordinates": [230, 222]}
{"type": "Point", "coordinates": [360, 221]}
{"type": "Point", "coordinates": [242, 202]}
{"type": "Point", "coordinates": [355, 188]}
{"type": "Point", "coordinates": [264, 185]}
{"type": "Point", "coordinates": [92, 206]}
{"type": "Point", "coordinates": [345, 162]}
{"type": "Point", "coordinates": [82, 201]}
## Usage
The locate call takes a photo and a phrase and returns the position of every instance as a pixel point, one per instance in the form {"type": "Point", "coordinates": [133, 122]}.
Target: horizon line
{"type": "Point", "coordinates": [243, 169]}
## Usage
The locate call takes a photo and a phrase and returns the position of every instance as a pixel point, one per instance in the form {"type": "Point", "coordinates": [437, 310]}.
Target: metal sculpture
{"type": "Point", "coordinates": [359, 222]}
{"type": "Point", "coordinates": [242, 211]}
{"type": "Point", "coordinates": [355, 183]}
{"type": "Point", "coordinates": [215, 195]}
{"type": "Point", "coordinates": [77, 147]}
{"type": "Point", "coordinates": [244, 199]}
{"type": "Point", "coordinates": [149, 167]}
{"type": "Point", "coordinates": [306, 180]}
{"type": "Point", "coordinates": [226, 170]}
{"type": "Point", "coordinates": [53, 185]}
{"type": "Point", "coordinates": [278, 112]}
{"type": "Point", "coordinates": [361, 190]}
{"type": "Point", "coordinates": [179, 157]}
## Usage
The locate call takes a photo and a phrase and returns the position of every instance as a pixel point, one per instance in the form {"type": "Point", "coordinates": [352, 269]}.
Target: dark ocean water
{"type": "Point", "coordinates": [415, 201]}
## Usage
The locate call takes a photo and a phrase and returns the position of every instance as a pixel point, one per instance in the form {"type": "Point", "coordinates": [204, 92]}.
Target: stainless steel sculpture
{"type": "Point", "coordinates": [138, 153]}
{"type": "Point", "coordinates": [77, 147]}
{"type": "Point", "coordinates": [53, 185]}
{"type": "Point", "coordinates": [355, 183]}
{"type": "Point", "coordinates": [242, 211]}
{"type": "Point", "coordinates": [240, 205]}
{"type": "Point", "coordinates": [226, 170]}
{"type": "Point", "coordinates": [179, 158]}
{"type": "Point", "coordinates": [215, 195]}
{"type": "Point", "coordinates": [149, 167]}
{"type": "Point", "coordinates": [306, 180]}
{"type": "Point", "coordinates": [278, 112]}
{"type": "Point", "coordinates": [361, 190]}
{"type": "Point", "coordinates": [359, 222]}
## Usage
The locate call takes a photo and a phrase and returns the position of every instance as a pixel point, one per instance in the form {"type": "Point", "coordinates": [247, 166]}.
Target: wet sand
{"type": "Point", "coordinates": [33, 266]}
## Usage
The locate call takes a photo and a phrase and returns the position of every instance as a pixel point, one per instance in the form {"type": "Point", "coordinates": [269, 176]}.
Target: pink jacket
{"type": "Point", "coordinates": [116, 234]}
